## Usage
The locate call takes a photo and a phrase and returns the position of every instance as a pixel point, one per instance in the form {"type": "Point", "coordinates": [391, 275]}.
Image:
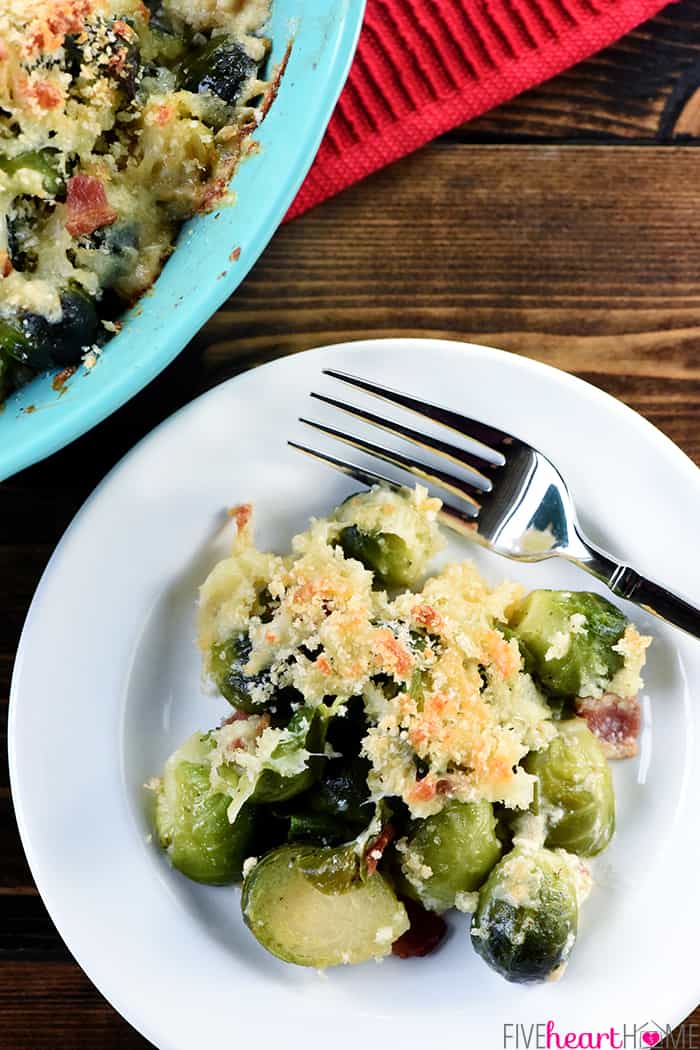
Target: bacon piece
{"type": "Point", "coordinates": [426, 931]}
{"type": "Point", "coordinates": [615, 720]}
{"type": "Point", "coordinates": [5, 264]}
{"type": "Point", "coordinates": [46, 94]}
{"type": "Point", "coordinates": [88, 207]}
{"type": "Point", "coordinates": [241, 514]}
{"type": "Point", "coordinates": [237, 716]}
{"type": "Point", "coordinates": [375, 849]}
{"type": "Point", "coordinates": [426, 616]}
{"type": "Point", "coordinates": [394, 659]}
{"type": "Point", "coordinates": [423, 790]}
{"type": "Point", "coordinates": [48, 28]}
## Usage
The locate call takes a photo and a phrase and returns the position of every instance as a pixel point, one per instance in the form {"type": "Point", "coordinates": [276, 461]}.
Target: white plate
{"type": "Point", "coordinates": [106, 685]}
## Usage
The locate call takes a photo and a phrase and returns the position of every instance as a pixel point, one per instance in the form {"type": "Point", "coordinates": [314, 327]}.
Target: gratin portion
{"type": "Point", "coordinates": [400, 745]}
{"type": "Point", "coordinates": [451, 709]}
{"type": "Point", "coordinates": [119, 120]}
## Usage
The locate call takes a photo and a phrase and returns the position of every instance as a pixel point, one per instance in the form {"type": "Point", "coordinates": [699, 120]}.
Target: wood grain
{"type": "Point", "coordinates": [564, 226]}
{"type": "Point", "coordinates": [634, 91]}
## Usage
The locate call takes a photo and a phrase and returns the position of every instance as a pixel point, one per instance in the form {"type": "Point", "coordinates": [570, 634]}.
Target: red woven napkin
{"type": "Point", "coordinates": [425, 66]}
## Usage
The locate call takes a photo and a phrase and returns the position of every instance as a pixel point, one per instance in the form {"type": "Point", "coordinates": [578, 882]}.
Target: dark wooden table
{"type": "Point", "coordinates": [564, 226]}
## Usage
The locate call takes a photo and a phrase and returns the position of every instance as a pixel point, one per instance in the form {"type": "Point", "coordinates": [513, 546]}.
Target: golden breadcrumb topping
{"type": "Point", "coordinates": [451, 710]}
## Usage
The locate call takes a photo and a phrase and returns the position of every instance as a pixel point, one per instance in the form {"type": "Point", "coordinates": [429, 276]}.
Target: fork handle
{"type": "Point", "coordinates": [626, 582]}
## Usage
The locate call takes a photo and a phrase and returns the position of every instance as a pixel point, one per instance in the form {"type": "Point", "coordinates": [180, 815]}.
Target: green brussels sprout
{"type": "Point", "coordinates": [120, 58]}
{"type": "Point", "coordinates": [567, 639]}
{"type": "Point", "coordinates": [12, 372]}
{"type": "Point", "coordinates": [336, 808]}
{"type": "Point", "coordinates": [526, 922]}
{"type": "Point", "coordinates": [390, 533]}
{"type": "Point", "coordinates": [110, 252]}
{"type": "Point", "coordinates": [221, 67]}
{"type": "Point", "coordinates": [342, 791]}
{"type": "Point", "coordinates": [306, 730]}
{"type": "Point", "coordinates": [13, 341]}
{"type": "Point", "coordinates": [574, 790]}
{"type": "Point", "coordinates": [450, 852]}
{"type": "Point", "coordinates": [44, 162]}
{"type": "Point", "coordinates": [384, 554]}
{"type": "Point", "coordinates": [191, 820]}
{"type": "Point", "coordinates": [65, 341]}
{"type": "Point", "coordinates": [254, 693]}
{"type": "Point", "coordinates": [320, 828]}
{"type": "Point", "coordinates": [311, 906]}
{"type": "Point", "coordinates": [347, 731]}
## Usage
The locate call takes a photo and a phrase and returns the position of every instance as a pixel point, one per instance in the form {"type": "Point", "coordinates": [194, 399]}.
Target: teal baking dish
{"type": "Point", "coordinates": [203, 271]}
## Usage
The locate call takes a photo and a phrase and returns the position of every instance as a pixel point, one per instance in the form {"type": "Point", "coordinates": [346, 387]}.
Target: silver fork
{"type": "Point", "coordinates": [513, 500]}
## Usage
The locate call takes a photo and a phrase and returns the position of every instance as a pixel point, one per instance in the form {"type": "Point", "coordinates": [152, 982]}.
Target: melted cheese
{"type": "Point", "coordinates": [162, 154]}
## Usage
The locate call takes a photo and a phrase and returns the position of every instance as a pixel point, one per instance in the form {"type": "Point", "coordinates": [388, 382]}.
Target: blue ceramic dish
{"type": "Point", "coordinates": [200, 275]}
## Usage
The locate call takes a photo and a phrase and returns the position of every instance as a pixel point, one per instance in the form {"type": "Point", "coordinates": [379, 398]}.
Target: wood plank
{"type": "Point", "coordinates": [583, 257]}
{"type": "Point", "coordinates": [15, 877]}
{"type": "Point", "coordinates": [636, 90]}
{"type": "Point", "coordinates": [48, 1006]}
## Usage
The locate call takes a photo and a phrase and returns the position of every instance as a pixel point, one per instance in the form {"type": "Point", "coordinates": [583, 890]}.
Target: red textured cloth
{"type": "Point", "coordinates": [425, 66]}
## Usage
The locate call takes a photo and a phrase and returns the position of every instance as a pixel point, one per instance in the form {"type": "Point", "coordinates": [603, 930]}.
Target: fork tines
{"type": "Point", "coordinates": [477, 464]}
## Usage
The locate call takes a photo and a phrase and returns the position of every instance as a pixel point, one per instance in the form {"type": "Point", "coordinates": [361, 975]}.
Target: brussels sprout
{"type": "Point", "coordinates": [13, 341]}
{"type": "Point", "coordinates": [221, 67]}
{"type": "Point", "coordinates": [110, 252]}
{"type": "Point", "coordinates": [118, 56]}
{"type": "Point", "coordinates": [342, 791]}
{"type": "Point", "coordinates": [64, 342]}
{"type": "Point", "coordinates": [393, 534]}
{"type": "Point", "coordinates": [574, 790]}
{"type": "Point", "coordinates": [12, 372]}
{"type": "Point", "coordinates": [310, 906]}
{"type": "Point", "coordinates": [526, 922]}
{"type": "Point", "coordinates": [191, 821]}
{"type": "Point", "coordinates": [347, 731]}
{"type": "Point", "coordinates": [384, 554]}
{"type": "Point", "coordinates": [320, 828]}
{"type": "Point", "coordinates": [250, 693]}
{"type": "Point", "coordinates": [567, 640]}
{"type": "Point", "coordinates": [44, 162]}
{"type": "Point", "coordinates": [306, 730]}
{"type": "Point", "coordinates": [449, 853]}
{"type": "Point", "coordinates": [336, 808]}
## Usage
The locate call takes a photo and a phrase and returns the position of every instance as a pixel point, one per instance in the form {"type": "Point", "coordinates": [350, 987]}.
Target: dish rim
{"type": "Point", "coordinates": [115, 389]}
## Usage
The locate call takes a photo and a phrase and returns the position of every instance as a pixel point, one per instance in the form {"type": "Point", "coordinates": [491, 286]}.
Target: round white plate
{"type": "Point", "coordinates": [107, 684]}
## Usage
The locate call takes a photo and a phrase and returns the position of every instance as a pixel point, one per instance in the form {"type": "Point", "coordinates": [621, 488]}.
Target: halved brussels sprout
{"type": "Point", "coordinates": [393, 534]}
{"type": "Point", "coordinates": [574, 790]}
{"type": "Point", "coordinates": [221, 66]}
{"type": "Point", "coordinates": [449, 853]}
{"type": "Point", "coordinates": [249, 693]}
{"type": "Point", "coordinates": [526, 922]}
{"type": "Point", "coordinates": [310, 906]}
{"type": "Point", "coordinates": [567, 639]}
{"type": "Point", "coordinates": [191, 820]}
{"type": "Point", "coordinates": [252, 693]}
